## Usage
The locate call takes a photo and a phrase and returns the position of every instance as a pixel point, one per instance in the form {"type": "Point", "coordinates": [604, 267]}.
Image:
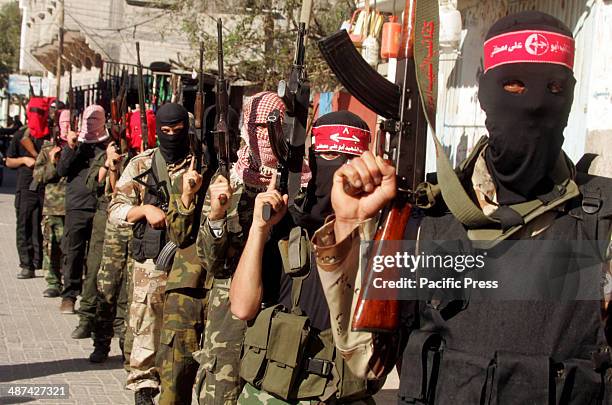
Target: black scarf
{"type": "Point", "coordinates": [317, 205]}
{"type": "Point", "coordinates": [525, 130]}
{"type": "Point", "coordinates": [175, 147]}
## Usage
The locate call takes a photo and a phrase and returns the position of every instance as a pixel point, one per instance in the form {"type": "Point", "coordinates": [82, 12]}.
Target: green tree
{"type": "Point", "coordinates": [10, 32]}
{"type": "Point", "coordinates": [259, 39]}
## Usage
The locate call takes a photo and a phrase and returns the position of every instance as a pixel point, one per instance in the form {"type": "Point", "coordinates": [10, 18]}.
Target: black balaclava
{"type": "Point", "coordinates": [525, 130]}
{"type": "Point", "coordinates": [318, 195]}
{"type": "Point", "coordinates": [175, 147]}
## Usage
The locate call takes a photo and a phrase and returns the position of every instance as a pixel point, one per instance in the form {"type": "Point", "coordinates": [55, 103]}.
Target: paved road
{"type": "Point", "coordinates": [35, 343]}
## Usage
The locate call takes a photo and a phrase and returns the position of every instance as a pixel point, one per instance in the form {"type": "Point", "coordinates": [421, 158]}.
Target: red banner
{"type": "Point", "coordinates": [340, 139]}
{"type": "Point", "coordinates": [529, 46]}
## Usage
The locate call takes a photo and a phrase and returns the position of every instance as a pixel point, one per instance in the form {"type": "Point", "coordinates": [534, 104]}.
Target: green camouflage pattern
{"type": "Point", "coordinates": [129, 193]}
{"type": "Point", "coordinates": [45, 172]}
{"type": "Point", "coordinates": [181, 334]}
{"type": "Point", "coordinates": [183, 224]}
{"type": "Point", "coordinates": [145, 321]}
{"type": "Point", "coordinates": [111, 282]}
{"type": "Point", "coordinates": [114, 261]}
{"type": "Point", "coordinates": [218, 380]}
{"type": "Point", "coordinates": [89, 292]}
{"type": "Point", "coordinates": [252, 396]}
{"type": "Point", "coordinates": [148, 285]}
{"type": "Point", "coordinates": [52, 230]}
{"type": "Point", "coordinates": [221, 255]}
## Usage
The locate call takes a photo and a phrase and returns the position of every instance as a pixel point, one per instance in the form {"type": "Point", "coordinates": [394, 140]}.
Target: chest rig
{"type": "Point", "coordinates": [284, 355]}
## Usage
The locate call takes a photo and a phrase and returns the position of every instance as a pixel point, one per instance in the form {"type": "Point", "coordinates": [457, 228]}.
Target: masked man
{"type": "Point", "coordinates": [141, 201]}
{"type": "Point", "coordinates": [21, 155]}
{"type": "Point", "coordinates": [45, 173]}
{"type": "Point", "coordinates": [277, 267]}
{"type": "Point", "coordinates": [518, 183]}
{"type": "Point", "coordinates": [75, 164]}
{"type": "Point", "coordinates": [223, 232]}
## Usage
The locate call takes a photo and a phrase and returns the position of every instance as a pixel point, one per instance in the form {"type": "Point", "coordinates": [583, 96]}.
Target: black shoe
{"type": "Point", "coordinates": [26, 273]}
{"type": "Point", "coordinates": [82, 331]}
{"type": "Point", "coordinates": [144, 396]}
{"type": "Point", "coordinates": [99, 355]}
{"type": "Point", "coordinates": [51, 292]}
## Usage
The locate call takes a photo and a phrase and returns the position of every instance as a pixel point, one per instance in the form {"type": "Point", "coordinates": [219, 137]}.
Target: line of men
{"type": "Point", "coordinates": [253, 311]}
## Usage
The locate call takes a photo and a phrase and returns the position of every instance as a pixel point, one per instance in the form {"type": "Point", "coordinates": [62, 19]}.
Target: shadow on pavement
{"type": "Point", "coordinates": [27, 371]}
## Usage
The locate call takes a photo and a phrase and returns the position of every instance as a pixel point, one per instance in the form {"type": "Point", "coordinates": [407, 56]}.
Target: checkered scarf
{"type": "Point", "coordinates": [256, 161]}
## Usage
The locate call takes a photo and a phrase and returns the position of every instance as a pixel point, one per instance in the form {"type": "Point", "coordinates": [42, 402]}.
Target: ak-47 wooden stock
{"type": "Point", "coordinates": [375, 315]}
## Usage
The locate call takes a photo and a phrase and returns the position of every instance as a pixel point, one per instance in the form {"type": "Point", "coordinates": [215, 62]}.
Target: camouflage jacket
{"type": "Point", "coordinates": [183, 223]}
{"type": "Point", "coordinates": [45, 172]}
{"type": "Point", "coordinates": [220, 255]}
{"type": "Point", "coordinates": [186, 271]}
{"type": "Point", "coordinates": [129, 193]}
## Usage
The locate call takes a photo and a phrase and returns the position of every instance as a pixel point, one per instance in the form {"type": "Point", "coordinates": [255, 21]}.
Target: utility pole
{"type": "Point", "coordinates": [60, 51]}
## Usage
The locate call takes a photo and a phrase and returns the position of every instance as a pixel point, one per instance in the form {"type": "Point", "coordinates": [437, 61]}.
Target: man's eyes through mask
{"type": "Point", "coordinates": [518, 87]}
{"type": "Point", "coordinates": [515, 86]}
{"type": "Point", "coordinates": [555, 87]}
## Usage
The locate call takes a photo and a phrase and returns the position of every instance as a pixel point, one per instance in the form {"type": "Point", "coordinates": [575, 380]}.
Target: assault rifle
{"type": "Point", "coordinates": [400, 103]}
{"type": "Point", "coordinates": [141, 100]}
{"type": "Point", "coordinates": [197, 140]}
{"type": "Point", "coordinates": [71, 103]}
{"type": "Point", "coordinates": [222, 104]}
{"type": "Point", "coordinates": [291, 145]}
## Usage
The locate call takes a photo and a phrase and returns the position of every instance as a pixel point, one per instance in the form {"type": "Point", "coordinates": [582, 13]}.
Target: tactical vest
{"type": "Point", "coordinates": [148, 242]}
{"type": "Point", "coordinates": [515, 352]}
{"type": "Point", "coordinates": [284, 356]}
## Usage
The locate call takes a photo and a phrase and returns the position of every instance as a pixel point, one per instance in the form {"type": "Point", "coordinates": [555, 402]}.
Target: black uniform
{"type": "Point", "coordinates": [81, 204]}
{"type": "Point", "coordinates": [28, 207]}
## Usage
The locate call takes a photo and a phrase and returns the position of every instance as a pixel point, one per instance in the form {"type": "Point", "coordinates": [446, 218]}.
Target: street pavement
{"type": "Point", "coordinates": [35, 342]}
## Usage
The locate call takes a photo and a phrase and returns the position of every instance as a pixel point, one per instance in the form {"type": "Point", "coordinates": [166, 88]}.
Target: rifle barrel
{"type": "Point", "coordinates": [220, 47]}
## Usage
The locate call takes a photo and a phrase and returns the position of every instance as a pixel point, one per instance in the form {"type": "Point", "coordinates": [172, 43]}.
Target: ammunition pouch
{"type": "Point", "coordinates": [430, 370]}
{"type": "Point", "coordinates": [147, 242]}
{"type": "Point", "coordinates": [284, 356]}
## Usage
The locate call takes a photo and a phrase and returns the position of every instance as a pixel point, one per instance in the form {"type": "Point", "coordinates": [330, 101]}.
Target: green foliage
{"type": "Point", "coordinates": [10, 31]}
{"type": "Point", "coordinates": [259, 43]}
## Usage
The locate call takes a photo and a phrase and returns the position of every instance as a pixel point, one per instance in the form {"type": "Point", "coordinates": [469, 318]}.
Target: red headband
{"type": "Point", "coordinates": [340, 139]}
{"type": "Point", "coordinates": [529, 46]}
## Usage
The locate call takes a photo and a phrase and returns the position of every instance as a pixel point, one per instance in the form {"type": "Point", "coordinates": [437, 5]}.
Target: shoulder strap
{"type": "Point", "coordinates": [161, 169]}
{"type": "Point", "coordinates": [295, 254]}
{"type": "Point", "coordinates": [508, 220]}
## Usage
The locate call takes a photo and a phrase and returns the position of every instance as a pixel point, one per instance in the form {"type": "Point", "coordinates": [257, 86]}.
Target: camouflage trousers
{"type": "Point", "coordinates": [181, 335]}
{"type": "Point", "coordinates": [252, 396]}
{"type": "Point", "coordinates": [89, 292]}
{"type": "Point", "coordinates": [53, 229]}
{"type": "Point", "coordinates": [111, 284]}
{"type": "Point", "coordinates": [218, 380]}
{"type": "Point", "coordinates": [145, 321]}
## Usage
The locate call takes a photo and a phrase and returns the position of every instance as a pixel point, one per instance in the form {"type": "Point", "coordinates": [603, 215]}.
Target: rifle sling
{"type": "Point", "coordinates": [502, 223]}
{"type": "Point", "coordinates": [162, 170]}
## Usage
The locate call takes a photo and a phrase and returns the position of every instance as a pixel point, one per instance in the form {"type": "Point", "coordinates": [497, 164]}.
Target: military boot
{"type": "Point", "coordinates": [26, 273]}
{"type": "Point", "coordinates": [144, 396]}
{"type": "Point", "coordinates": [99, 355]}
{"type": "Point", "coordinates": [82, 331]}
